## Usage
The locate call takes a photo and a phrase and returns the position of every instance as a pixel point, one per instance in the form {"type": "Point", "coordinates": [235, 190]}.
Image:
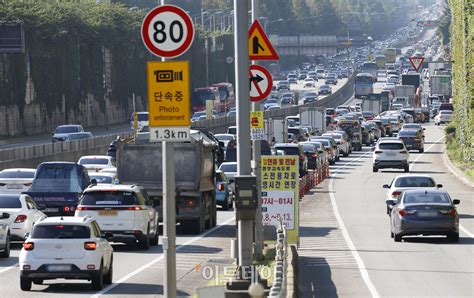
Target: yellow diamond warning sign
{"type": "Point", "coordinates": [260, 47]}
{"type": "Point", "coordinates": [168, 93]}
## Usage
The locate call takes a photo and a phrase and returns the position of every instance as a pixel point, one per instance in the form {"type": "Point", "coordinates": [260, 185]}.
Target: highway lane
{"type": "Point", "coordinates": [418, 266]}
{"type": "Point", "coordinates": [137, 272]}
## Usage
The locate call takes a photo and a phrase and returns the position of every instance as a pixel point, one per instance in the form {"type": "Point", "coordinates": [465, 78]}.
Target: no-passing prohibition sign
{"type": "Point", "coordinates": [167, 31]}
{"type": "Point", "coordinates": [261, 82]}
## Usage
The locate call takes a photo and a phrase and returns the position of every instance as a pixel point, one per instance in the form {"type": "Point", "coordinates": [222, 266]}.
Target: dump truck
{"type": "Point", "coordinates": [140, 162]}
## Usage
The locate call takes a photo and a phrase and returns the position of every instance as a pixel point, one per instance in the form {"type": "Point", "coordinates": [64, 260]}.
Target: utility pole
{"type": "Point", "coordinates": [169, 215]}
{"type": "Point", "coordinates": [245, 227]}
{"type": "Point", "coordinates": [256, 171]}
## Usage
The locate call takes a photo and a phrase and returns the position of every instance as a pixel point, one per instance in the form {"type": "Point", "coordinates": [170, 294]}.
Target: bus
{"type": "Point", "coordinates": [390, 55]}
{"type": "Point", "coordinates": [370, 67]}
{"type": "Point", "coordinates": [363, 85]}
{"type": "Point", "coordinates": [380, 61]}
{"type": "Point", "coordinates": [226, 99]}
{"type": "Point", "coordinates": [201, 95]}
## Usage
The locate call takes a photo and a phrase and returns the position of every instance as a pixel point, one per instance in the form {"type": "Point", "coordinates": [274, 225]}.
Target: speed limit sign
{"type": "Point", "coordinates": [167, 31]}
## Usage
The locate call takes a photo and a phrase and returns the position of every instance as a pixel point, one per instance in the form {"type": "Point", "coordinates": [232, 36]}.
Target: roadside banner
{"type": "Point", "coordinates": [280, 202]}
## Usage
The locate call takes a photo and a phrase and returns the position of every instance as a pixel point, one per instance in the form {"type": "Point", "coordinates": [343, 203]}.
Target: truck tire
{"type": "Point", "coordinates": [198, 225]}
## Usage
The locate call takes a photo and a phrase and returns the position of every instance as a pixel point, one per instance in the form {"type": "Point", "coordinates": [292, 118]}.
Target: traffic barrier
{"type": "Point", "coordinates": [279, 286]}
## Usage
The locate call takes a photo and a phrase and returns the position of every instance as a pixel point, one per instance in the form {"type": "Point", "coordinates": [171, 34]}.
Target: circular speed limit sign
{"type": "Point", "coordinates": [167, 31]}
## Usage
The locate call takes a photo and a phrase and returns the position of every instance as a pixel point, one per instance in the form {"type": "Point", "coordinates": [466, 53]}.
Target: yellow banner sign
{"type": "Point", "coordinates": [256, 119]}
{"type": "Point", "coordinates": [168, 93]}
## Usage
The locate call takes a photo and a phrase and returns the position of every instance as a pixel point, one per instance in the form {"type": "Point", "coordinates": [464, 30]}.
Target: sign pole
{"type": "Point", "coordinates": [245, 227]}
{"type": "Point", "coordinates": [256, 172]}
{"type": "Point", "coordinates": [169, 215]}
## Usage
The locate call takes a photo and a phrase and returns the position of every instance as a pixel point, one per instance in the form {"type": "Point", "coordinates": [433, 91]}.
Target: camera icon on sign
{"type": "Point", "coordinates": [167, 76]}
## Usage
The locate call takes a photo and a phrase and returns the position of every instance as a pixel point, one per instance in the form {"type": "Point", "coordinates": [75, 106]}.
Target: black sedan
{"type": "Point", "coordinates": [424, 212]}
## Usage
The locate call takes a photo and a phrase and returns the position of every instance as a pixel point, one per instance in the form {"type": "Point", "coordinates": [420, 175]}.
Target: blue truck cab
{"type": "Point", "coordinates": [58, 186]}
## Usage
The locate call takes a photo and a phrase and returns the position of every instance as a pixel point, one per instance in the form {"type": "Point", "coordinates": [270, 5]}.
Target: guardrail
{"type": "Point", "coordinates": [341, 95]}
{"type": "Point", "coordinates": [279, 286]}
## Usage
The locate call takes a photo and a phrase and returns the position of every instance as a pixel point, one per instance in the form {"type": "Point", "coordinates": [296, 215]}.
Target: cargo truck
{"type": "Point", "coordinates": [314, 117]}
{"type": "Point", "coordinates": [276, 130]}
{"type": "Point", "coordinates": [390, 55]}
{"type": "Point", "coordinates": [372, 103]}
{"type": "Point", "coordinates": [411, 79]}
{"type": "Point", "coordinates": [441, 84]}
{"type": "Point", "coordinates": [407, 91]}
{"type": "Point", "coordinates": [140, 162]}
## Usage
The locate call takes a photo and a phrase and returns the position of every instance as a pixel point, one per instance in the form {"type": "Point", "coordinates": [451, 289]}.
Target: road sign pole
{"type": "Point", "coordinates": [169, 216]}
{"type": "Point", "coordinates": [256, 145]}
{"type": "Point", "coordinates": [245, 227]}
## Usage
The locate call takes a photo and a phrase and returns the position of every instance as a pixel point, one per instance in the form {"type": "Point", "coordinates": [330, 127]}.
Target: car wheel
{"type": "Point", "coordinates": [397, 238]}
{"type": "Point", "coordinates": [6, 252]}
{"type": "Point", "coordinates": [453, 237]}
{"type": "Point", "coordinates": [154, 240]}
{"type": "Point", "coordinates": [407, 169]}
{"type": "Point", "coordinates": [144, 242]}
{"type": "Point", "coordinates": [388, 212]}
{"type": "Point", "coordinates": [421, 150]}
{"type": "Point", "coordinates": [25, 283]}
{"type": "Point", "coordinates": [225, 205]}
{"type": "Point", "coordinates": [98, 281]}
{"type": "Point", "coordinates": [108, 277]}
{"type": "Point", "coordinates": [391, 234]}
{"type": "Point", "coordinates": [375, 169]}
{"type": "Point", "coordinates": [231, 203]}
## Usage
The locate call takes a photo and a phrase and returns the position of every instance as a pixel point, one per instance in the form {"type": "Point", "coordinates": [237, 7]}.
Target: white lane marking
{"type": "Point", "coordinates": [140, 269]}
{"type": "Point", "coordinates": [8, 268]}
{"type": "Point", "coordinates": [469, 234]}
{"type": "Point", "coordinates": [360, 263]}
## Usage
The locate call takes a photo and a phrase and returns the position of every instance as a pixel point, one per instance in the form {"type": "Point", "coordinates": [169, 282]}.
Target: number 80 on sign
{"type": "Point", "coordinates": [167, 31]}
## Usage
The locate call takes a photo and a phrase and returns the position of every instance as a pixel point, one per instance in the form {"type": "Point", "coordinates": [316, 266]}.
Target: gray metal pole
{"type": "Point", "coordinates": [245, 227]}
{"type": "Point", "coordinates": [256, 171]}
{"type": "Point", "coordinates": [169, 216]}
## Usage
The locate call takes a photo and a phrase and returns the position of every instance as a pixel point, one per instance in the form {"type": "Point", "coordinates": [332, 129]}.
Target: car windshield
{"type": "Point", "coordinates": [415, 182]}
{"type": "Point", "coordinates": [224, 137]}
{"type": "Point", "coordinates": [112, 197]}
{"type": "Point", "coordinates": [411, 126]}
{"type": "Point", "coordinates": [330, 111]}
{"type": "Point", "coordinates": [78, 136]}
{"type": "Point", "coordinates": [325, 142]}
{"type": "Point", "coordinates": [93, 161]}
{"type": "Point", "coordinates": [10, 201]}
{"type": "Point", "coordinates": [289, 150]}
{"type": "Point", "coordinates": [67, 129]}
{"type": "Point", "coordinates": [295, 131]}
{"type": "Point", "coordinates": [446, 112]}
{"type": "Point", "coordinates": [309, 148]}
{"type": "Point", "coordinates": [311, 94]}
{"type": "Point", "coordinates": [407, 133]}
{"type": "Point", "coordinates": [198, 114]}
{"type": "Point", "coordinates": [102, 178]}
{"type": "Point", "coordinates": [143, 117]}
{"type": "Point", "coordinates": [17, 174]}
{"type": "Point", "coordinates": [391, 146]}
{"type": "Point", "coordinates": [228, 167]}
{"type": "Point", "coordinates": [60, 231]}
{"type": "Point", "coordinates": [425, 198]}
{"type": "Point", "coordinates": [271, 101]}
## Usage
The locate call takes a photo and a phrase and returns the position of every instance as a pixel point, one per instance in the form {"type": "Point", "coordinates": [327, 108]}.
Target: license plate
{"type": "Point", "coordinates": [14, 186]}
{"type": "Point", "coordinates": [59, 267]}
{"type": "Point", "coordinates": [390, 154]}
{"type": "Point", "coordinates": [108, 212]}
{"type": "Point", "coordinates": [427, 213]}
{"type": "Point", "coordinates": [51, 210]}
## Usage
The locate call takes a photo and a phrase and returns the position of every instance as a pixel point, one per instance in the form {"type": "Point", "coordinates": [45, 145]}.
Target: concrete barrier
{"type": "Point", "coordinates": [31, 156]}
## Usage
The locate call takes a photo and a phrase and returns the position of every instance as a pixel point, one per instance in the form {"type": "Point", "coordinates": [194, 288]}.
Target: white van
{"type": "Point", "coordinates": [142, 120]}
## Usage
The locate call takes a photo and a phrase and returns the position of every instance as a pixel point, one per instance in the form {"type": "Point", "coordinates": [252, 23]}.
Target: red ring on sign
{"type": "Point", "coordinates": [188, 23]}
{"type": "Point", "coordinates": [268, 77]}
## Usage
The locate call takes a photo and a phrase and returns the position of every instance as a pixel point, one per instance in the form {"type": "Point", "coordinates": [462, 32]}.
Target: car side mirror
{"type": "Point", "coordinates": [93, 182]}
{"type": "Point", "coordinates": [52, 133]}
{"type": "Point", "coordinates": [372, 149]}
{"type": "Point", "coordinates": [107, 235]}
{"type": "Point", "coordinates": [386, 186]}
{"type": "Point", "coordinates": [390, 202]}
{"type": "Point", "coordinates": [424, 128]}
{"type": "Point", "coordinates": [5, 215]}
{"type": "Point", "coordinates": [41, 207]}
{"type": "Point", "coordinates": [439, 185]}
{"type": "Point", "coordinates": [456, 202]}
{"type": "Point", "coordinates": [26, 235]}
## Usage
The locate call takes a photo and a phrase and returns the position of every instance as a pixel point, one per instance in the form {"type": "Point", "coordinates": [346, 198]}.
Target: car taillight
{"type": "Point", "coordinates": [404, 212]}
{"type": "Point", "coordinates": [28, 246]}
{"type": "Point", "coordinates": [80, 208]}
{"type": "Point", "coordinates": [315, 155]}
{"type": "Point", "coordinates": [189, 203]}
{"type": "Point", "coordinates": [396, 194]}
{"type": "Point", "coordinates": [27, 184]}
{"type": "Point", "coordinates": [221, 187]}
{"type": "Point", "coordinates": [90, 245]}
{"type": "Point", "coordinates": [378, 152]}
{"type": "Point", "coordinates": [450, 212]}
{"type": "Point", "coordinates": [135, 208]}
{"type": "Point", "coordinates": [20, 218]}
{"type": "Point", "coordinates": [67, 208]}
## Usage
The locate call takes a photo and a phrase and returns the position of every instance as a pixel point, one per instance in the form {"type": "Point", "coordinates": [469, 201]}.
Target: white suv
{"type": "Point", "coordinates": [4, 236]}
{"type": "Point", "coordinates": [66, 247]}
{"type": "Point", "coordinates": [390, 154]}
{"type": "Point", "coordinates": [123, 210]}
